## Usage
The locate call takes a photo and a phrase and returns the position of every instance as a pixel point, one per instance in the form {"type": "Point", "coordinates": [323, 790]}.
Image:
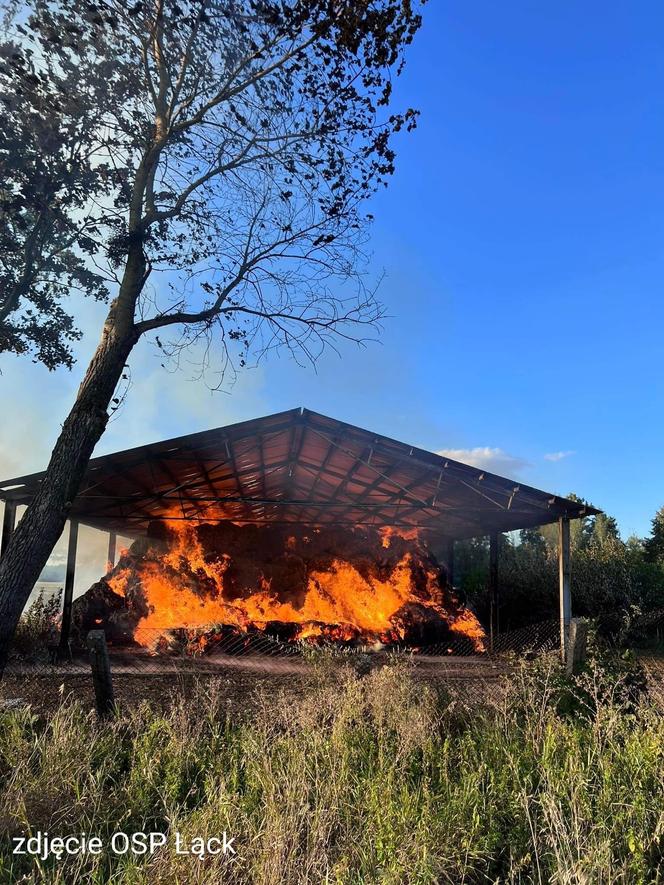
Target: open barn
{"type": "Point", "coordinates": [334, 525]}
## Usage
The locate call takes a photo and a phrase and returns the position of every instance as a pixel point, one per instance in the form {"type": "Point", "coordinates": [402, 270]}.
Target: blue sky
{"type": "Point", "coordinates": [525, 232]}
{"type": "Point", "coordinates": [522, 244]}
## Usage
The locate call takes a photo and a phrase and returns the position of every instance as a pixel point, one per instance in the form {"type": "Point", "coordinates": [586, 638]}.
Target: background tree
{"type": "Point", "coordinates": [231, 163]}
{"type": "Point", "coordinates": [604, 530]}
{"type": "Point", "coordinates": [612, 581]}
{"type": "Point", "coordinates": [654, 545]}
{"type": "Point", "coordinates": [533, 539]}
{"type": "Point", "coordinates": [580, 529]}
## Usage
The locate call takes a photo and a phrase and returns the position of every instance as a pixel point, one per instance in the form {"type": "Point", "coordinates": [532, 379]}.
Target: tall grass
{"type": "Point", "coordinates": [374, 779]}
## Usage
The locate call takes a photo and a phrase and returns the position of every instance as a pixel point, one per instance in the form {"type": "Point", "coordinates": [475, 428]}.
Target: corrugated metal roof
{"type": "Point", "coordinates": [300, 466]}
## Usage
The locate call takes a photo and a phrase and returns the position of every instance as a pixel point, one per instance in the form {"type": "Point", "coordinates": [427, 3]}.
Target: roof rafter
{"type": "Point", "coordinates": [300, 466]}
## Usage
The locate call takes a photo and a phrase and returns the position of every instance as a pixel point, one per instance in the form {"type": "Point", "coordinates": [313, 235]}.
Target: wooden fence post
{"type": "Point", "coordinates": [101, 673]}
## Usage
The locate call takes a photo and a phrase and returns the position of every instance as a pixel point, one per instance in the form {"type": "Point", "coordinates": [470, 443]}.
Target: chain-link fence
{"type": "Point", "coordinates": [161, 651]}
{"type": "Point", "coordinates": [244, 660]}
{"type": "Point", "coordinates": [537, 638]}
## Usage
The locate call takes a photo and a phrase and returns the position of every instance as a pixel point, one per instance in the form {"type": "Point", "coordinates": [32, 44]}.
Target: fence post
{"type": "Point", "coordinates": [576, 652]}
{"type": "Point", "coordinates": [101, 673]}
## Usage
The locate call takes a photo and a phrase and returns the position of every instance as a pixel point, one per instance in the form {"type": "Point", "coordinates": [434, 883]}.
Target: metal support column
{"type": "Point", "coordinates": [493, 585]}
{"type": "Point", "coordinates": [8, 522]}
{"type": "Point", "coordinates": [112, 543]}
{"type": "Point", "coordinates": [565, 584]}
{"type": "Point", "coordinates": [69, 587]}
{"type": "Point", "coordinates": [449, 560]}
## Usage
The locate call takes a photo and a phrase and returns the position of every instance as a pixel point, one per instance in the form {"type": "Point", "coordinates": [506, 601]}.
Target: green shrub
{"type": "Point", "coordinates": [39, 626]}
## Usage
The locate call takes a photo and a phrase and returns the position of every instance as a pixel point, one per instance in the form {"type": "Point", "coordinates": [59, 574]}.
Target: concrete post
{"type": "Point", "coordinates": [578, 637]}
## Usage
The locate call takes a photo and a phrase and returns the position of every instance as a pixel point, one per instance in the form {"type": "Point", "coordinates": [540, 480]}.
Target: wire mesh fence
{"type": "Point", "coordinates": [536, 638]}
{"type": "Point", "coordinates": [243, 660]}
{"type": "Point", "coordinates": [147, 663]}
{"type": "Point", "coordinates": [164, 660]}
{"type": "Point", "coordinates": [170, 650]}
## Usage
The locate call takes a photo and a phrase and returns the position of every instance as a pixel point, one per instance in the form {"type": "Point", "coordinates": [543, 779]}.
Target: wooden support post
{"type": "Point", "coordinates": [101, 673]}
{"type": "Point", "coordinates": [564, 584]}
{"type": "Point", "coordinates": [112, 543]}
{"type": "Point", "coordinates": [493, 587]}
{"type": "Point", "coordinates": [8, 521]}
{"type": "Point", "coordinates": [578, 636]}
{"type": "Point", "coordinates": [69, 588]}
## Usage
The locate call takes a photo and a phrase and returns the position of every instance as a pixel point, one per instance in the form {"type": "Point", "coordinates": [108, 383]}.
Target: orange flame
{"type": "Point", "coordinates": [388, 532]}
{"type": "Point", "coordinates": [340, 602]}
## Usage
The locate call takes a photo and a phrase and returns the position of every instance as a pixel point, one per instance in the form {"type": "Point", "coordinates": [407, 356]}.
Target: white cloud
{"type": "Point", "coordinates": [495, 460]}
{"type": "Point", "coordinates": [557, 456]}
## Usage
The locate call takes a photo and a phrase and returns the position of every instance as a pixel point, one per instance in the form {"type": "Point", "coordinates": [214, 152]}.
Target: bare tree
{"type": "Point", "coordinates": [233, 146]}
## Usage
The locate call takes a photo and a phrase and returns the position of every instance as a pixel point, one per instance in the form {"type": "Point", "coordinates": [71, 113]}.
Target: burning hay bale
{"type": "Point", "coordinates": [193, 583]}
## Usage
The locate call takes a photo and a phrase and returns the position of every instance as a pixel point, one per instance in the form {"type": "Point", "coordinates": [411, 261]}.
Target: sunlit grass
{"type": "Point", "coordinates": [363, 780]}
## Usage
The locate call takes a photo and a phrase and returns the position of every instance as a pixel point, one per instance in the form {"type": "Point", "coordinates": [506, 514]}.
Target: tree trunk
{"type": "Point", "coordinates": [36, 534]}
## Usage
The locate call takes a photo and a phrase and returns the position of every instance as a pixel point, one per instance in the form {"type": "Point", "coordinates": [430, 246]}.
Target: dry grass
{"type": "Point", "coordinates": [373, 779]}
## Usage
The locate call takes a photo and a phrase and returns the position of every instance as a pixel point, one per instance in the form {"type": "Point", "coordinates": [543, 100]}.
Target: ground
{"type": "Point", "coordinates": [140, 677]}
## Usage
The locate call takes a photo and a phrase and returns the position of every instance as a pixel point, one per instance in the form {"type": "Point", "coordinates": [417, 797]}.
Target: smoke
{"type": "Point", "coordinates": [159, 404]}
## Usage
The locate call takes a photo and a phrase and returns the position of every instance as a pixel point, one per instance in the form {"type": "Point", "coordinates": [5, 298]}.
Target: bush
{"type": "Point", "coordinates": [39, 627]}
{"type": "Point", "coordinates": [609, 580]}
